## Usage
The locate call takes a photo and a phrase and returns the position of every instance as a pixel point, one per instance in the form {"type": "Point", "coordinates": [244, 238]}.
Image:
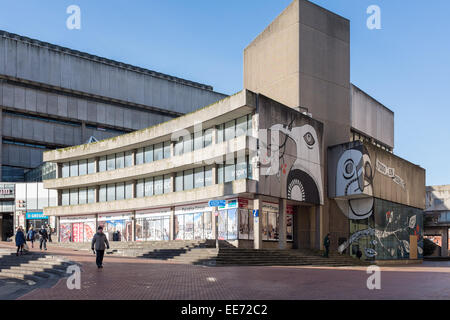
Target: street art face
{"type": "Point", "coordinates": [304, 178]}
{"type": "Point", "coordinates": [354, 181]}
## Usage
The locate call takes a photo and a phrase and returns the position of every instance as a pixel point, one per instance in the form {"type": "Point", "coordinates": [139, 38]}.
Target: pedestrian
{"type": "Point", "coordinates": [326, 243]}
{"type": "Point", "coordinates": [99, 242]}
{"type": "Point", "coordinates": [31, 235]}
{"type": "Point", "coordinates": [20, 240]}
{"type": "Point", "coordinates": [49, 231]}
{"type": "Point", "coordinates": [44, 237]}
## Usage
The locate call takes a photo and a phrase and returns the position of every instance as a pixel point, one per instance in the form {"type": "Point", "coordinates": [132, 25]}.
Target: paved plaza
{"type": "Point", "coordinates": [134, 278]}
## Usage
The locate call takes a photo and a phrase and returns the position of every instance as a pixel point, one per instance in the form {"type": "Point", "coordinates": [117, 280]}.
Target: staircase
{"type": "Point", "coordinates": [32, 267]}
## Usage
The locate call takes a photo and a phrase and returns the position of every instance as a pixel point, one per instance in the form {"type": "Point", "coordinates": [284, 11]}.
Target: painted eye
{"type": "Point", "coordinates": [349, 169]}
{"type": "Point", "coordinates": [309, 139]}
{"type": "Point", "coordinates": [368, 171]}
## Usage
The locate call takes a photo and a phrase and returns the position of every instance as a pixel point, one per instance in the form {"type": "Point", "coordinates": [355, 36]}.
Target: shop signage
{"type": "Point", "coordinates": [230, 204]}
{"type": "Point", "coordinates": [35, 216]}
{"type": "Point", "coordinates": [6, 190]}
{"type": "Point", "coordinates": [217, 203]}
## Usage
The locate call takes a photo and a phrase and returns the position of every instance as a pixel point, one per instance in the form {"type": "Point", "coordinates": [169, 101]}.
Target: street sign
{"type": "Point", "coordinates": [256, 213]}
{"type": "Point", "coordinates": [217, 203]}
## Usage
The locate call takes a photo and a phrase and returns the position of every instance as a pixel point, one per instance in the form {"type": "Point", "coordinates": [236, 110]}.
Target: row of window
{"type": "Point", "coordinates": [194, 178]}
{"type": "Point", "coordinates": [115, 191]}
{"type": "Point", "coordinates": [237, 170]}
{"type": "Point", "coordinates": [159, 151]}
{"type": "Point", "coordinates": [78, 196]}
{"type": "Point", "coordinates": [153, 186]}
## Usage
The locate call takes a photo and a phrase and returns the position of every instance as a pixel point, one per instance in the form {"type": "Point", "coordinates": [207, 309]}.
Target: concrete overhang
{"type": "Point", "coordinates": [222, 111]}
{"type": "Point", "coordinates": [165, 200]}
{"type": "Point", "coordinates": [215, 153]}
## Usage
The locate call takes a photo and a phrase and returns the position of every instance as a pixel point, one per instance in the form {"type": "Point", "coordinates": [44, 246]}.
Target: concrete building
{"type": "Point", "coordinates": [53, 97]}
{"type": "Point", "coordinates": [298, 154]}
{"type": "Point", "coordinates": [437, 218]}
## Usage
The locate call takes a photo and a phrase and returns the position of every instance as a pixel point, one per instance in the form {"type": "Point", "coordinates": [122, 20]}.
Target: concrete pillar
{"type": "Point", "coordinates": [445, 249]}
{"type": "Point", "coordinates": [96, 194]}
{"type": "Point", "coordinates": [172, 181]}
{"type": "Point", "coordinates": [133, 227]}
{"type": "Point", "coordinates": [172, 225]}
{"type": "Point", "coordinates": [133, 158]}
{"type": "Point", "coordinates": [58, 170]}
{"type": "Point", "coordinates": [57, 228]}
{"type": "Point", "coordinates": [214, 174]}
{"type": "Point", "coordinates": [257, 225]}
{"type": "Point", "coordinates": [282, 208]}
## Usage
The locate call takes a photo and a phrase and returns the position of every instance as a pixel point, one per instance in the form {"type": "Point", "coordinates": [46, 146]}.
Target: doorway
{"type": "Point", "coordinates": [6, 226]}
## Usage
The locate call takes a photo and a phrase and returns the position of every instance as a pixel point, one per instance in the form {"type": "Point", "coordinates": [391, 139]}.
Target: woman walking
{"type": "Point", "coordinates": [20, 240]}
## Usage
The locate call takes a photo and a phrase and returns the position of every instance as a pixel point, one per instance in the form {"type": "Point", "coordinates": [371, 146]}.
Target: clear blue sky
{"type": "Point", "coordinates": [405, 65]}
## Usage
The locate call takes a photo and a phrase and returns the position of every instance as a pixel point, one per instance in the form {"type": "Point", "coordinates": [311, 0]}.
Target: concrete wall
{"type": "Point", "coordinates": [371, 118]}
{"type": "Point", "coordinates": [40, 62]}
{"type": "Point", "coordinates": [438, 198]}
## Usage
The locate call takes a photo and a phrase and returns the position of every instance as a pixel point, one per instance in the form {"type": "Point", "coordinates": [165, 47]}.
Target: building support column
{"type": "Point", "coordinates": [282, 208]}
{"type": "Point", "coordinates": [133, 227]}
{"type": "Point", "coordinates": [172, 224]}
{"type": "Point", "coordinates": [257, 224]}
{"type": "Point", "coordinates": [57, 228]}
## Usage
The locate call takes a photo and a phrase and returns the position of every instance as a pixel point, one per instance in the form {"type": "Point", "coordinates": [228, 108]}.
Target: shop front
{"type": "Point", "coordinates": [153, 225]}
{"type": "Point", "coordinates": [193, 222]}
{"type": "Point", "coordinates": [36, 219]}
{"type": "Point", "coordinates": [77, 229]}
{"type": "Point", "coordinates": [117, 227]}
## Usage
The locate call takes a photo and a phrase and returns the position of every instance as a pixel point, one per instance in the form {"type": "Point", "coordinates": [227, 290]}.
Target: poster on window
{"type": "Point", "coordinates": [243, 224]}
{"type": "Point", "coordinates": [208, 225]}
{"type": "Point", "coordinates": [89, 231]}
{"type": "Point", "coordinates": [232, 224]}
{"type": "Point", "coordinates": [188, 227]}
{"type": "Point", "coordinates": [65, 232]}
{"type": "Point", "coordinates": [179, 227]}
{"type": "Point", "coordinates": [77, 232]}
{"type": "Point", "coordinates": [198, 226]}
{"type": "Point", "coordinates": [222, 225]}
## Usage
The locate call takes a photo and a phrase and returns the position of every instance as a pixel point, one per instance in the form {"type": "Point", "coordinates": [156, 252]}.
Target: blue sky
{"type": "Point", "coordinates": [405, 65]}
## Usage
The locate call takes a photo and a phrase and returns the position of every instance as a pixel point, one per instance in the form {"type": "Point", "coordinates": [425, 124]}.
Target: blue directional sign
{"type": "Point", "coordinates": [256, 213]}
{"type": "Point", "coordinates": [35, 216]}
{"type": "Point", "coordinates": [217, 203]}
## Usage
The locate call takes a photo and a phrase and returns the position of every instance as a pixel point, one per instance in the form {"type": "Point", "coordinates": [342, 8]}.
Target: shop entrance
{"type": "Point", "coordinates": [37, 224]}
{"type": "Point", "coordinates": [6, 226]}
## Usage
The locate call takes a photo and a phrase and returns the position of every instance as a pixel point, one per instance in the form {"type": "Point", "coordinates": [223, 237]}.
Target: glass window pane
{"type": "Point", "coordinates": [243, 224]}
{"type": "Point", "coordinates": [128, 159]}
{"type": "Point", "coordinates": [187, 145]}
{"type": "Point", "coordinates": [140, 156]}
{"type": "Point", "coordinates": [223, 225]}
{"type": "Point", "coordinates": [102, 194]}
{"type": "Point", "coordinates": [159, 152]}
{"type": "Point", "coordinates": [230, 172]}
{"type": "Point", "coordinates": [66, 170]}
{"type": "Point", "coordinates": [102, 164]}
{"type": "Point", "coordinates": [167, 149]}
{"type": "Point", "coordinates": [179, 182]}
{"type": "Point", "coordinates": [148, 187]}
{"type": "Point", "coordinates": [91, 166]}
{"type": "Point", "coordinates": [120, 160]}
{"type": "Point", "coordinates": [230, 128]}
{"type": "Point", "coordinates": [241, 126]}
{"type": "Point", "coordinates": [148, 154]}
{"type": "Point", "coordinates": [241, 169]}
{"type": "Point", "coordinates": [188, 179]}
{"type": "Point", "coordinates": [120, 191]}
{"type": "Point", "coordinates": [232, 224]}
{"type": "Point", "coordinates": [220, 133]}
{"type": "Point", "coordinates": [140, 189]}
{"type": "Point", "coordinates": [167, 184]}
{"type": "Point", "coordinates": [74, 169]}
{"type": "Point", "coordinates": [111, 162]}
{"type": "Point", "coordinates": [65, 201]}
{"type": "Point", "coordinates": [249, 125]}
{"type": "Point", "coordinates": [91, 195]}
{"type": "Point", "coordinates": [111, 192]}
{"type": "Point", "coordinates": [199, 178]}
{"type": "Point", "coordinates": [129, 190]}
{"type": "Point", "coordinates": [82, 167]}
{"type": "Point", "coordinates": [208, 176]}
{"type": "Point", "coordinates": [198, 140]}
{"type": "Point", "coordinates": [83, 196]}
{"type": "Point", "coordinates": [159, 185]}
{"type": "Point", "coordinates": [249, 169]}
{"type": "Point", "coordinates": [179, 147]}
{"type": "Point", "coordinates": [207, 137]}
{"type": "Point", "coordinates": [220, 172]}
{"type": "Point", "coordinates": [188, 227]}
{"type": "Point", "coordinates": [73, 197]}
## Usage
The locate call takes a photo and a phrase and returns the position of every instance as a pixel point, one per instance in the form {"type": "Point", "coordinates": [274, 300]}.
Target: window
{"type": "Point", "coordinates": [241, 169]}
{"type": "Point", "coordinates": [148, 154]}
{"type": "Point", "coordinates": [91, 195]}
{"type": "Point", "coordinates": [188, 181]}
{"type": "Point", "coordinates": [148, 188]}
{"type": "Point", "coordinates": [140, 189]}
{"type": "Point", "coordinates": [167, 151]}
{"type": "Point", "coordinates": [120, 191]}
{"type": "Point", "coordinates": [241, 126]}
{"type": "Point", "coordinates": [159, 185]}
{"type": "Point", "coordinates": [91, 166]}
{"type": "Point", "coordinates": [220, 173]}
{"type": "Point", "coordinates": [120, 160]}
{"type": "Point", "coordinates": [230, 130]}
{"type": "Point", "coordinates": [82, 167]}
{"type": "Point", "coordinates": [208, 137]}
{"type": "Point", "coordinates": [111, 162]}
{"type": "Point", "coordinates": [102, 164]}
{"type": "Point", "coordinates": [82, 196]}
{"type": "Point", "coordinates": [167, 184]}
{"type": "Point", "coordinates": [129, 190]}
{"type": "Point", "coordinates": [220, 133]}
{"type": "Point", "coordinates": [102, 194]}
{"type": "Point", "coordinates": [65, 199]}
{"type": "Point", "coordinates": [111, 192]}
{"type": "Point", "coordinates": [249, 125]}
{"type": "Point", "coordinates": [74, 168]}
{"type": "Point", "coordinates": [179, 182]}
{"type": "Point", "coordinates": [66, 170]}
{"type": "Point", "coordinates": [198, 140]}
{"type": "Point", "coordinates": [179, 147]}
{"type": "Point", "coordinates": [208, 176]}
{"type": "Point", "coordinates": [187, 145]}
{"type": "Point", "coordinates": [73, 197]}
{"type": "Point", "coordinates": [140, 156]}
{"type": "Point", "coordinates": [159, 151]}
{"type": "Point", "coordinates": [128, 159]}
{"type": "Point", "coordinates": [199, 177]}
{"type": "Point", "coordinates": [230, 172]}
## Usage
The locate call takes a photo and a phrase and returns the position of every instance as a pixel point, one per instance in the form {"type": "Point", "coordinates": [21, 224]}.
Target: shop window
{"type": "Point", "coordinates": [179, 227]}
{"type": "Point", "coordinates": [189, 227]}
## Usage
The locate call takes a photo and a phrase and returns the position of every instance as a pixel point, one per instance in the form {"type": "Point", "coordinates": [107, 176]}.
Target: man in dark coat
{"type": "Point", "coordinates": [326, 244]}
{"type": "Point", "coordinates": [20, 240]}
{"type": "Point", "coordinates": [44, 237]}
{"type": "Point", "coordinates": [99, 243]}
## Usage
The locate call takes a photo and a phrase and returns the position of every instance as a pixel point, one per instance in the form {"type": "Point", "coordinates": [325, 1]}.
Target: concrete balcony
{"type": "Point", "coordinates": [216, 153]}
{"type": "Point", "coordinates": [165, 200]}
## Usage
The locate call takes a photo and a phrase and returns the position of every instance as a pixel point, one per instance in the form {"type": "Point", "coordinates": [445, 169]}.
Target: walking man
{"type": "Point", "coordinates": [99, 242]}
{"type": "Point", "coordinates": [44, 237]}
{"type": "Point", "coordinates": [31, 235]}
{"type": "Point", "coordinates": [20, 240]}
{"type": "Point", "coordinates": [326, 243]}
